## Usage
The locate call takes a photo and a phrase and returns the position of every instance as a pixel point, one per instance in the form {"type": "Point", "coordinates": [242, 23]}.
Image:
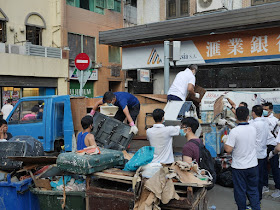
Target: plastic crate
{"type": "Point", "coordinates": [54, 199]}
{"type": "Point", "coordinates": [111, 133]}
{"type": "Point", "coordinates": [17, 196]}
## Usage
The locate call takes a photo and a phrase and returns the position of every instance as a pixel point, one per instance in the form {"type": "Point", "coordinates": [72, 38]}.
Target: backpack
{"type": "Point", "coordinates": [206, 161]}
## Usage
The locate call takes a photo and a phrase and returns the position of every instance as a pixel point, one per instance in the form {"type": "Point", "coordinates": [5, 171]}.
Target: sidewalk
{"type": "Point", "coordinates": [222, 198]}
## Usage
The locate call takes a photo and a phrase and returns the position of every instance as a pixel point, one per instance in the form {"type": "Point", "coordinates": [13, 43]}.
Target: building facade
{"type": "Point", "coordinates": [83, 20]}
{"type": "Point", "coordinates": [235, 44]}
{"type": "Point", "coordinates": [31, 54]}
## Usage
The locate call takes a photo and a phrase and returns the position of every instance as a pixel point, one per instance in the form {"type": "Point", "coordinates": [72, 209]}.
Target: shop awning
{"type": "Point", "coordinates": [254, 17]}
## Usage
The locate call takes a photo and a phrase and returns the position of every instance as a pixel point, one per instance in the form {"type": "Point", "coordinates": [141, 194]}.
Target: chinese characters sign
{"type": "Point", "coordinates": [253, 43]}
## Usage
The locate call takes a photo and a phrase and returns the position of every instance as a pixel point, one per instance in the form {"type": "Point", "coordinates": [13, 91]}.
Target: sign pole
{"type": "Point", "coordinates": [166, 66]}
{"type": "Point", "coordinates": [81, 83]}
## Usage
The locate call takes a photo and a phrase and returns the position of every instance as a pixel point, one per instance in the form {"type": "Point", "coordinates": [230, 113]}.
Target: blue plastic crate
{"type": "Point", "coordinates": [16, 195]}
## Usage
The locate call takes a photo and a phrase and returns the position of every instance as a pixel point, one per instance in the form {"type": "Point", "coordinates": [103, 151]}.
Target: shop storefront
{"type": "Point", "coordinates": [235, 50]}
{"type": "Point", "coordinates": [88, 90]}
{"type": "Point", "coordinates": [244, 59]}
{"type": "Point", "coordinates": [18, 87]}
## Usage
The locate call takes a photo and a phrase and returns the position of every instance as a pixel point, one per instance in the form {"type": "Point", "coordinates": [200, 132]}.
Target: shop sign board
{"type": "Point", "coordinates": [73, 74]}
{"type": "Point", "coordinates": [143, 75]}
{"type": "Point", "coordinates": [237, 47]}
{"type": "Point", "coordinates": [251, 98]}
{"type": "Point", "coordinates": [87, 89]}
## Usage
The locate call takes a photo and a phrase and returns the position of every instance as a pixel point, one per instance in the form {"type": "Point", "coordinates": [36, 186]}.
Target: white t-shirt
{"type": "Point", "coordinates": [180, 84]}
{"type": "Point", "coordinates": [160, 137]}
{"type": "Point", "coordinates": [278, 142]}
{"type": "Point", "coordinates": [272, 122]}
{"type": "Point", "coordinates": [6, 109]}
{"type": "Point", "coordinates": [262, 129]}
{"type": "Point", "coordinates": [243, 140]}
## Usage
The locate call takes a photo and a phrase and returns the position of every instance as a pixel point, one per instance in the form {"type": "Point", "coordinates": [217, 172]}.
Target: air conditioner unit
{"type": "Point", "coordinates": [208, 5]}
{"type": "Point", "coordinates": [16, 49]}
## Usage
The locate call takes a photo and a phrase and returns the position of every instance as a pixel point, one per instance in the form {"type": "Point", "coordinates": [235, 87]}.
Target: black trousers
{"type": "Point", "coordinates": [133, 111]}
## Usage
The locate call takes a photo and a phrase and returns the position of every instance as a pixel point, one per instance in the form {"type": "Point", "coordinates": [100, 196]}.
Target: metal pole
{"type": "Point", "coordinates": [166, 66]}
{"type": "Point", "coordinates": [81, 83]}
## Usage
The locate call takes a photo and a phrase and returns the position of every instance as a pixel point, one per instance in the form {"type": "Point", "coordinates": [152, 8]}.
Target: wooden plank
{"type": "Point", "coordinates": [188, 178]}
{"type": "Point", "coordinates": [218, 106]}
{"type": "Point", "coordinates": [126, 155]}
{"type": "Point", "coordinates": [115, 180]}
{"type": "Point", "coordinates": [116, 171]}
{"type": "Point", "coordinates": [104, 175]}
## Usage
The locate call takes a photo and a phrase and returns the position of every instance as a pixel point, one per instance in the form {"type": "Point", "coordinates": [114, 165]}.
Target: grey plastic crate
{"type": "Point", "coordinates": [111, 133]}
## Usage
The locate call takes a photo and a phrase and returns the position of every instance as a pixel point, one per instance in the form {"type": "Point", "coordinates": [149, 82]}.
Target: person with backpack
{"type": "Point", "coordinates": [194, 149]}
{"type": "Point", "coordinates": [241, 143]}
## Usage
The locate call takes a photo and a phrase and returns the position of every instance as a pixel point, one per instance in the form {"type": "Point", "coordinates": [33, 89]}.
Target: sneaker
{"type": "Point", "coordinates": [248, 208]}
{"type": "Point", "coordinates": [276, 193]}
{"type": "Point", "coordinates": [265, 189]}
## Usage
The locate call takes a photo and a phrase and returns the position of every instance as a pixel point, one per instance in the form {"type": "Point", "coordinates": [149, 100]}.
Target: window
{"type": "Point", "coordinates": [258, 2]}
{"type": "Point", "coordinates": [80, 43]}
{"type": "Point", "coordinates": [71, 2]}
{"type": "Point", "coordinates": [28, 112]}
{"type": "Point", "coordinates": [34, 35]}
{"type": "Point", "coordinates": [92, 5]}
{"type": "Point", "coordinates": [133, 3]}
{"type": "Point", "coordinates": [245, 76]}
{"type": "Point", "coordinates": [177, 8]}
{"type": "Point", "coordinates": [114, 54]}
{"type": "Point", "coordinates": [2, 31]}
{"type": "Point", "coordinates": [84, 4]}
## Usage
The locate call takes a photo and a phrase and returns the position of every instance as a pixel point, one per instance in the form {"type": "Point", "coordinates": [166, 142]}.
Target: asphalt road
{"type": "Point", "coordinates": [223, 199]}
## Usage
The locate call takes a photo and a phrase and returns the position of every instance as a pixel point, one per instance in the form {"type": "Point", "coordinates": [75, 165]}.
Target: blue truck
{"type": "Point", "coordinates": [54, 126]}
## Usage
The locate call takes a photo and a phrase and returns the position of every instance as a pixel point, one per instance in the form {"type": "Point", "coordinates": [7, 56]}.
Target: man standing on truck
{"type": "Point", "coordinates": [85, 138]}
{"type": "Point", "coordinates": [183, 84]}
{"type": "Point", "coordinates": [161, 137]}
{"type": "Point", "coordinates": [128, 104]}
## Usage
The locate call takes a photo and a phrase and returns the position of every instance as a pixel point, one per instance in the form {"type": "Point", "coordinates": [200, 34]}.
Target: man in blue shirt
{"type": "Point", "coordinates": [128, 104]}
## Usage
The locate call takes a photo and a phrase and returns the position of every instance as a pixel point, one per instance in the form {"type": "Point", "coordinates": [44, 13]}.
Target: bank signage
{"type": "Point", "coordinates": [237, 47]}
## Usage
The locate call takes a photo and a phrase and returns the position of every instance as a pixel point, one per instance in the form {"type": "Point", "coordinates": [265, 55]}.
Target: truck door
{"type": "Point", "coordinates": [29, 118]}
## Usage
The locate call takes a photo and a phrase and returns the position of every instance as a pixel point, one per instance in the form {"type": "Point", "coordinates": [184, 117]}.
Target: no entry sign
{"type": "Point", "coordinates": [82, 61]}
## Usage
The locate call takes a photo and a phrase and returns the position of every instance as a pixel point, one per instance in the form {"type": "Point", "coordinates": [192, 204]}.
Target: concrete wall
{"type": "Point", "coordinates": [34, 66]}
{"type": "Point", "coordinates": [149, 11]}
{"type": "Point", "coordinates": [17, 11]}
{"type": "Point", "coordinates": [89, 23]}
{"type": "Point", "coordinates": [130, 16]}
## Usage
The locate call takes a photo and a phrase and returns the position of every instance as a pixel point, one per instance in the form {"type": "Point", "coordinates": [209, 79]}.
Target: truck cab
{"type": "Point", "coordinates": [52, 125]}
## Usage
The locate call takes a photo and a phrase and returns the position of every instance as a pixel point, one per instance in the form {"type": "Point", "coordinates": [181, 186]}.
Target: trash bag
{"type": "Point", "coordinates": [142, 157]}
{"type": "Point", "coordinates": [225, 179]}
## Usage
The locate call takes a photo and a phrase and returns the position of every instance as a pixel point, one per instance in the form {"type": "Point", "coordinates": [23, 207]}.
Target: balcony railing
{"type": "Point", "coordinates": [32, 50]}
{"type": "Point", "coordinates": [37, 50]}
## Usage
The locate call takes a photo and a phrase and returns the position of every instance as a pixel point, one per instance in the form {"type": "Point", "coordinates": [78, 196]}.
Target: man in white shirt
{"type": "Point", "coordinates": [262, 129]}
{"type": "Point", "coordinates": [242, 143]}
{"type": "Point", "coordinates": [271, 143]}
{"type": "Point", "coordinates": [183, 84]}
{"type": "Point", "coordinates": [7, 108]}
{"type": "Point", "coordinates": [276, 154]}
{"type": "Point", "coordinates": [161, 137]}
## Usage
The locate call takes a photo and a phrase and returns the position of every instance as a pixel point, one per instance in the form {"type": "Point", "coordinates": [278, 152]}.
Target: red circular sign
{"type": "Point", "coordinates": [82, 61]}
